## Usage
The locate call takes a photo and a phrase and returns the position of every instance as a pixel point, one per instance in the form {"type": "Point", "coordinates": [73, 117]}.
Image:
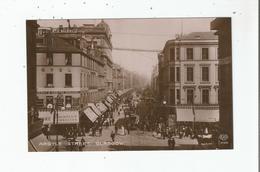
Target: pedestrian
{"type": "Point", "coordinates": [112, 135]}
{"type": "Point", "coordinates": [100, 131]}
{"type": "Point", "coordinates": [112, 120]}
{"type": "Point", "coordinates": [171, 142]}
{"type": "Point", "coordinates": [48, 131]}
{"type": "Point", "coordinates": [82, 144]}
{"type": "Point", "coordinates": [116, 128]}
{"type": "Point", "coordinates": [84, 131]}
{"type": "Point", "coordinates": [128, 129]}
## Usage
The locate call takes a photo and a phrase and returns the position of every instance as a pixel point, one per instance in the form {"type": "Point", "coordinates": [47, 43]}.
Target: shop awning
{"type": "Point", "coordinates": [90, 114]}
{"type": "Point", "coordinates": [201, 115]}
{"type": "Point", "coordinates": [109, 100]}
{"type": "Point", "coordinates": [112, 97]}
{"type": "Point", "coordinates": [64, 117]}
{"type": "Point", "coordinates": [119, 92]}
{"type": "Point", "coordinates": [207, 115]}
{"type": "Point", "coordinates": [184, 115]}
{"type": "Point", "coordinates": [107, 103]}
{"type": "Point", "coordinates": [95, 109]}
{"type": "Point", "coordinates": [101, 107]}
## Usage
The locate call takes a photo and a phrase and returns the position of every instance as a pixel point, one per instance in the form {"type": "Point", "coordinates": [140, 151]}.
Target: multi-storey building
{"type": "Point", "coordinates": [154, 80]}
{"type": "Point", "coordinates": [99, 37]}
{"type": "Point", "coordinates": [223, 27]}
{"type": "Point", "coordinates": [124, 79]}
{"type": "Point", "coordinates": [72, 64]}
{"type": "Point", "coordinates": [117, 77]}
{"type": "Point", "coordinates": [188, 77]}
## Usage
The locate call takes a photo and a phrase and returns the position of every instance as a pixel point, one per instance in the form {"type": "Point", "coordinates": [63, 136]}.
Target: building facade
{"type": "Point", "coordinates": [75, 63]}
{"type": "Point", "coordinates": [223, 27]}
{"type": "Point", "coordinates": [117, 77]}
{"type": "Point", "coordinates": [188, 72]}
{"type": "Point", "coordinates": [154, 81]}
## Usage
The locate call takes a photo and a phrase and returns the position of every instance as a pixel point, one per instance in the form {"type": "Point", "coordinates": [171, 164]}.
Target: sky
{"type": "Point", "coordinates": [145, 34]}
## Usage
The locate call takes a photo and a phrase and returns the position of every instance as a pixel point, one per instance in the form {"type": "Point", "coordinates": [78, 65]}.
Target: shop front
{"type": "Point", "coordinates": [198, 120]}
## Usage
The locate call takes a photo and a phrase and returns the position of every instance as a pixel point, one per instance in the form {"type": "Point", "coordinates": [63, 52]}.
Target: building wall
{"type": "Point", "coordinates": [166, 73]}
{"type": "Point", "coordinates": [223, 27]}
{"type": "Point", "coordinates": [85, 77]}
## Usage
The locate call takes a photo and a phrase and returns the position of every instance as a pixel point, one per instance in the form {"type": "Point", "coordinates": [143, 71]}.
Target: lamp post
{"type": "Point", "coordinates": [164, 106]}
{"type": "Point", "coordinates": [59, 103]}
{"type": "Point", "coordinates": [194, 115]}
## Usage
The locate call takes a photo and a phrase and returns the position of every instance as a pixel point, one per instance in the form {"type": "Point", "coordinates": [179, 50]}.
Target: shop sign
{"type": "Point", "coordinates": [64, 117]}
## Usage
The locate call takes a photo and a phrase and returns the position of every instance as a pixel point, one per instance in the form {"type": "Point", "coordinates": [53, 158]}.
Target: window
{"type": "Point", "coordinates": [178, 53]}
{"type": "Point", "coordinates": [39, 40]}
{"type": "Point", "coordinates": [68, 80]}
{"type": "Point", "coordinates": [189, 96]}
{"type": "Point", "coordinates": [217, 78]}
{"type": "Point", "coordinates": [68, 101]}
{"type": "Point", "coordinates": [81, 80]}
{"type": "Point", "coordinates": [205, 96]}
{"type": "Point", "coordinates": [178, 96]}
{"type": "Point", "coordinates": [49, 100]}
{"type": "Point", "coordinates": [49, 59]}
{"type": "Point", "coordinates": [189, 73]}
{"type": "Point", "coordinates": [49, 79]}
{"type": "Point", "coordinates": [218, 95]}
{"type": "Point", "coordinates": [172, 74]}
{"type": "Point", "coordinates": [84, 80]}
{"type": "Point", "coordinates": [205, 73]}
{"type": "Point", "coordinates": [218, 55]}
{"type": "Point", "coordinates": [68, 59]}
{"type": "Point", "coordinates": [172, 54]}
{"type": "Point", "coordinates": [189, 53]}
{"type": "Point", "coordinates": [172, 96]}
{"type": "Point", "coordinates": [178, 74]}
{"type": "Point", "coordinates": [205, 53]}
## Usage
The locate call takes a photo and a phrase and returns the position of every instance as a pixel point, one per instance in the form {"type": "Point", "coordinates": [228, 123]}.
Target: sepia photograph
{"type": "Point", "coordinates": [129, 84]}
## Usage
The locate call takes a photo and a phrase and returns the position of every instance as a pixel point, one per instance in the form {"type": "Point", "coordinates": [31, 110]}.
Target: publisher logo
{"type": "Point", "coordinates": [223, 139]}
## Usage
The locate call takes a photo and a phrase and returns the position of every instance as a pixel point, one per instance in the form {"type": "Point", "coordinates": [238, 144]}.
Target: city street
{"type": "Point", "coordinates": [136, 140]}
{"type": "Point", "coordinates": [125, 105]}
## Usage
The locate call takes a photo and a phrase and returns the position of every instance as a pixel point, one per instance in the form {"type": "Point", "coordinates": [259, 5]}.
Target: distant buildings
{"type": "Point", "coordinates": [124, 79]}
{"type": "Point", "coordinates": [154, 81]}
{"type": "Point", "coordinates": [117, 77]}
{"type": "Point", "coordinates": [188, 77]}
{"type": "Point", "coordinates": [76, 63]}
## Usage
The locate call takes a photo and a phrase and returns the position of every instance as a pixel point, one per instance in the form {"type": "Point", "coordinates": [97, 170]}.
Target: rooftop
{"type": "Point", "coordinates": [193, 36]}
{"type": "Point", "coordinates": [199, 35]}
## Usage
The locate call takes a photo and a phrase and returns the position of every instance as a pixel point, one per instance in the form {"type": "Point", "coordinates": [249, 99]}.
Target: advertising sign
{"type": "Point", "coordinates": [64, 117]}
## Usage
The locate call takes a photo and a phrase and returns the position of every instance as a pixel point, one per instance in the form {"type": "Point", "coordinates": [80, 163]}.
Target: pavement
{"type": "Point", "coordinates": [136, 140]}
{"type": "Point", "coordinates": [40, 143]}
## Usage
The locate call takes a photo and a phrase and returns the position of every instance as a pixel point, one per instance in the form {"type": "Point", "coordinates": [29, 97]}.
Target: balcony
{"type": "Point", "coordinates": [198, 106]}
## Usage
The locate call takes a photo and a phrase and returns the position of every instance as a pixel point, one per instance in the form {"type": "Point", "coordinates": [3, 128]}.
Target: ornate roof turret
{"type": "Point", "coordinates": [104, 25]}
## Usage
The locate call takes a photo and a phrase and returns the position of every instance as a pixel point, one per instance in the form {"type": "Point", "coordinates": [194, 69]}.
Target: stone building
{"type": "Point", "coordinates": [188, 77]}
{"type": "Point", "coordinates": [223, 27]}
{"type": "Point", "coordinates": [74, 62]}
